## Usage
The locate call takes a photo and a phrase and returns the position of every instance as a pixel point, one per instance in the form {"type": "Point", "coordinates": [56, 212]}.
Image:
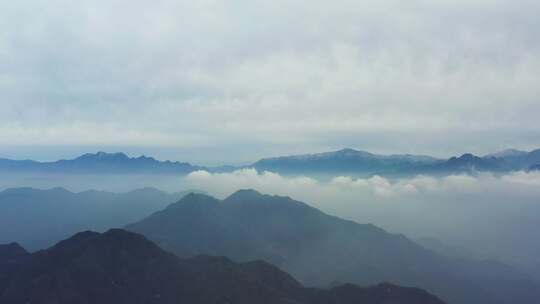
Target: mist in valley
{"type": "Point", "coordinates": [481, 217]}
{"type": "Point", "coordinates": [83, 182]}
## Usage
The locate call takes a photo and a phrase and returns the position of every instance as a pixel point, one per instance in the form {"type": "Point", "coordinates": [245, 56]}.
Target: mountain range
{"type": "Point", "coordinates": [121, 267]}
{"type": "Point", "coordinates": [319, 249]}
{"type": "Point", "coordinates": [345, 161]}
{"type": "Point", "coordinates": [39, 218]}
{"type": "Point", "coordinates": [353, 162]}
{"type": "Point", "coordinates": [100, 162]}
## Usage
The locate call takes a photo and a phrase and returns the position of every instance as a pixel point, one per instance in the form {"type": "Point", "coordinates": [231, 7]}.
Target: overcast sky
{"type": "Point", "coordinates": [231, 81]}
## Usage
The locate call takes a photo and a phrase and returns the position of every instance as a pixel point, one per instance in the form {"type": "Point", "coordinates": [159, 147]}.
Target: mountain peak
{"type": "Point", "coordinates": [100, 155]}
{"type": "Point", "coordinates": [244, 194]}
{"type": "Point", "coordinates": [467, 157]}
{"type": "Point", "coordinates": [80, 236]}
{"type": "Point", "coordinates": [196, 195]}
{"type": "Point", "coordinates": [194, 198]}
{"type": "Point", "coordinates": [352, 152]}
{"type": "Point", "coordinates": [11, 251]}
{"type": "Point", "coordinates": [347, 150]}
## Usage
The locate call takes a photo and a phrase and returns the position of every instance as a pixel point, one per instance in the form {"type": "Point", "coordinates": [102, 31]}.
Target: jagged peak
{"type": "Point", "coordinates": [103, 155]}
{"type": "Point", "coordinates": [464, 157]}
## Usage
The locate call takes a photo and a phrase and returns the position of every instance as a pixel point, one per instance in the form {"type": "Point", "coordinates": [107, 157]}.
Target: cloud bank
{"type": "Point", "coordinates": [494, 216]}
{"type": "Point", "coordinates": [522, 185]}
{"type": "Point", "coordinates": [270, 77]}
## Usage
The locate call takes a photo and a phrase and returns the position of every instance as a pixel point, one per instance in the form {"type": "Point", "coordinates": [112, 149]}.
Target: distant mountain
{"type": "Point", "coordinates": [353, 162]}
{"type": "Point", "coordinates": [39, 218]}
{"type": "Point", "coordinates": [346, 161]}
{"type": "Point", "coordinates": [100, 163]}
{"type": "Point", "coordinates": [507, 153]}
{"type": "Point", "coordinates": [534, 167]}
{"type": "Point", "coordinates": [522, 161]}
{"type": "Point", "coordinates": [466, 163]}
{"type": "Point", "coordinates": [318, 249]}
{"type": "Point", "coordinates": [123, 267]}
{"type": "Point", "coordinates": [343, 161]}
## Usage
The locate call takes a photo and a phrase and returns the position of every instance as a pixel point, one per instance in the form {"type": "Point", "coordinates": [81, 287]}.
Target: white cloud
{"type": "Point", "coordinates": [375, 188]}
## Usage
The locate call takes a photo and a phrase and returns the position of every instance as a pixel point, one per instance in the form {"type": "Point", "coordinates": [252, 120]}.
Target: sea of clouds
{"type": "Point", "coordinates": [493, 216]}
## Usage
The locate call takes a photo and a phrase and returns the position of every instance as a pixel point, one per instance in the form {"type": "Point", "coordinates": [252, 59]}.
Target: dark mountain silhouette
{"type": "Point", "coordinates": [11, 252]}
{"type": "Point", "coordinates": [318, 249]}
{"type": "Point", "coordinates": [122, 267]}
{"type": "Point", "coordinates": [11, 255]}
{"type": "Point", "coordinates": [100, 163]}
{"type": "Point", "coordinates": [40, 218]}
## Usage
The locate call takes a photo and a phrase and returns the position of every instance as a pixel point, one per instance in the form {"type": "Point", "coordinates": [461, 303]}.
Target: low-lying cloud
{"type": "Point", "coordinates": [494, 216]}
{"type": "Point", "coordinates": [524, 185]}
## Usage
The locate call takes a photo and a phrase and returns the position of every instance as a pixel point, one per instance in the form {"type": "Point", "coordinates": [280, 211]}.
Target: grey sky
{"type": "Point", "coordinates": [232, 81]}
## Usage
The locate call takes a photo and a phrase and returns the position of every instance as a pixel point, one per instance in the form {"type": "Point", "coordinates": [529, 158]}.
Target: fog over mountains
{"type": "Point", "coordinates": [318, 249]}
{"type": "Point", "coordinates": [345, 161]}
{"type": "Point", "coordinates": [39, 218]}
{"type": "Point", "coordinates": [461, 228]}
{"type": "Point", "coordinates": [269, 152]}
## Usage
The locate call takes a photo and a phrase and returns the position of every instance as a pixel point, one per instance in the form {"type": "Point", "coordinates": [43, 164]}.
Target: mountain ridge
{"type": "Point", "coordinates": [124, 267]}
{"type": "Point", "coordinates": [318, 248]}
{"type": "Point", "coordinates": [101, 162]}
{"type": "Point", "coordinates": [344, 161]}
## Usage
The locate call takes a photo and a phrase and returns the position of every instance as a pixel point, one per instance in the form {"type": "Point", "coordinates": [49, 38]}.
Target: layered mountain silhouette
{"type": "Point", "coordinates": [318, 249]}
{"type": "Point", "coordinates": [122, 267]}
{"type": "Point", "coordinates": [345, 161]}
{"type": "Point", "coordinates": [39, 218]}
